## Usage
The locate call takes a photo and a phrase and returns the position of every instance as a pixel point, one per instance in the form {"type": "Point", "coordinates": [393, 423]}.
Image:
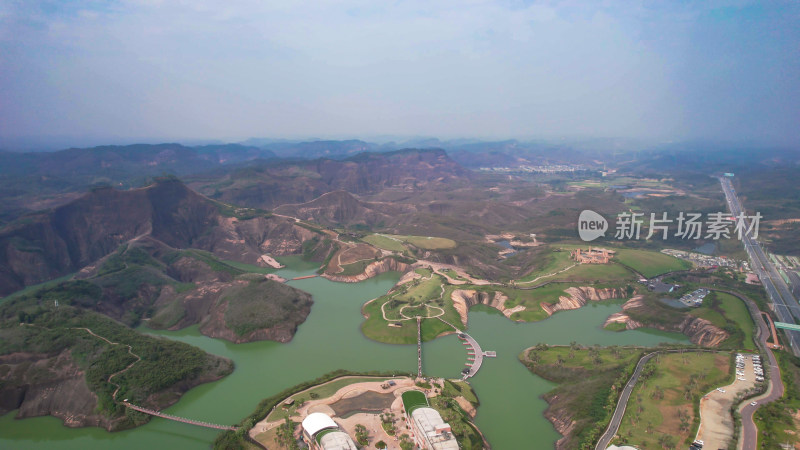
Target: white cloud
{"type": "Point", "coordinates": [234, 69]}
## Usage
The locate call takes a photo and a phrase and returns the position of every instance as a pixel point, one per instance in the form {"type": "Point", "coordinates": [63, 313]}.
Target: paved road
{"type": "Point", "coordinates": [622, 403]}
{"type": "Point", "coordinates": [785, 305]}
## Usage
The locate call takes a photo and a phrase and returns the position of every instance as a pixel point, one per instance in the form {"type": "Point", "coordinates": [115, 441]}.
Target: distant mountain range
{"type": "Point", "coordinates": [70, 237]}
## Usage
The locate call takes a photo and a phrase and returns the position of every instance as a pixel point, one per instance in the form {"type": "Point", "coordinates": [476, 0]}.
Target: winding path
{"type": "Point", "coordinates": [130, 350]}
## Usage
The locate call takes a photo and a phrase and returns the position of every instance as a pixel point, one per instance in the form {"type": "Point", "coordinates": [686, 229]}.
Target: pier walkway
{"type": "Point", "coordinates": [475, 354]}
{"type": "Point", "coordinates": [419, 347]}
{"type": "Point", "coordinates": [178, 419]}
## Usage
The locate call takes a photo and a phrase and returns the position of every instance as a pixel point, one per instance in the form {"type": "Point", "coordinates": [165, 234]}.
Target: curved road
{"type": "Point", "coordinates": [622, 403]}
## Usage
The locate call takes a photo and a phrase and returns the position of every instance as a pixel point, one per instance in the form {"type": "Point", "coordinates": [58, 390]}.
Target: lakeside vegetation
{"type": "Point", "coordinates": [165, 370]}
{"type": "Point", "coordinates": [589, 381]}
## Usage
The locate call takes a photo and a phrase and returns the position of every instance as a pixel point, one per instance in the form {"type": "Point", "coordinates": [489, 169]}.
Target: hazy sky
{"type": "Point", "coordinates": [195, 69]}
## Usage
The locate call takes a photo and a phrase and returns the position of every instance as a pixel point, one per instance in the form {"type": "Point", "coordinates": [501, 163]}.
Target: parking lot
{"type": "Point", "coordinates": [716, 422]}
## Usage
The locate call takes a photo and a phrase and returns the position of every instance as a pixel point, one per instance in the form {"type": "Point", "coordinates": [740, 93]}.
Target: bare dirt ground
{"type": "Point", "coordinates": [716, 422]}
{"type": "Point", "coordinates": [347, 400]}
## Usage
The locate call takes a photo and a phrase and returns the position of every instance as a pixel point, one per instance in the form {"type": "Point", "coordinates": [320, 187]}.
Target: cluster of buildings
{"type": "Point", "coordinates": [544, 168]}
{"type": "Point", "coordinates": [592, 256]}
{"type": "Point", "coordinates": [694, 298]}
{"type": "Point", "coordinates": [428, 430]}
{"type": "Point", "coordinates": [709, 261]}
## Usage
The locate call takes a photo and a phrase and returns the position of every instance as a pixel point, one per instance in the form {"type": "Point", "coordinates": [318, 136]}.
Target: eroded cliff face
{"type": "Point", "coordinates": [373, 269]}
{"type": "Point", "coordinates": [578, 296]}
{"type": "Point", "coordinates": [41, 385]}
{"type": "Point", "coordinates": [699, 331]}
{"type": "Point", "coordinates": [464, 299]}
{"type": "Point", "coordinates": [560, 418]}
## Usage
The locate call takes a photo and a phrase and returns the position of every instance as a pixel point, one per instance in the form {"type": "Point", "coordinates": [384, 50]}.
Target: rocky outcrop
{"type": "Point", "coordinates": [578, 296]}
{"type": "Point", "coordinates": [702, 332]}
{"type": "Point", "coordinates": [560, 418]}
{"type": "Point", "coordinates": [699, 331]}
{"type": "Point", "coordinates": [373, 269]}
{"type": "Point", "coordinates": [623, 318]}
{"type": "Point", "coordinates": [41, 385]}
{"type": "Point", "coordinates": [464, 299]}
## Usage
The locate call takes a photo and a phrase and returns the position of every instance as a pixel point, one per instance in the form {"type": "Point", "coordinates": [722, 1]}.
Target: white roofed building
{"type": "Point", "coordinates": [430, 431]}
{"type": "Point", "coordinates": [322, 433]}
{"type": "Point", "coordinates": [433, 432]}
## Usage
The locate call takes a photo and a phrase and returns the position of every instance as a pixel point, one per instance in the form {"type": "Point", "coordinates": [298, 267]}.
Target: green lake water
{"type": "Point", "coordinates": [510, 414]}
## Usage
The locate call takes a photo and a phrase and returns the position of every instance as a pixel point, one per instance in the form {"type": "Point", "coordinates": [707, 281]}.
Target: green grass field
{"type": "Point", "coordinates": [424, 271]}
{"type": "Point", "coordinates": [661, 408]}
{"type": "Point", "coordinates": [650, 263]}
{"type": "Point", "coordinates": [554, 262]}
{"type": "Point", "coordinates": [413, 399]}
{"type": "Point", "coordinates": [414, 296]}
{"type": "Point", "coordinates": [453, 274]}
{"type": "Point", "coordinates": [355, 268]}
{"type": "Point", "coordinates": [386, 243]}
{"type": "Point", "coordinates": [736, 311]}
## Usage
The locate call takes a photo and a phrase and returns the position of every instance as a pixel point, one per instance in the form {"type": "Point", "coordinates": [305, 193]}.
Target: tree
{"type": "Point", "coordinates": [380, 444]}
{"type": "Point", "coordinates": [361, 435]}
{"type": "Point", "coordinates": [286, 435]}
{"type": "Point", "coordinates": [405, 442]}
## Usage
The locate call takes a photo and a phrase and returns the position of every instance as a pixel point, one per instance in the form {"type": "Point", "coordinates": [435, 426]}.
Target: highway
{"type": "Point", "coordinates": [784, 303]}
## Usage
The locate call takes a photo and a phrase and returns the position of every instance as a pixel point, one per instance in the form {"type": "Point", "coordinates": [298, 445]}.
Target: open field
{"type": "Point", "coordinates": [384, 242]}
{"type": "Point", "coordinates": [735, 310]}
{"type": "Point", "coordinates": [555, 261]}
{"type": "Point", "coordinates": [650, 263]}
{"type": "Point", "coordinates": [424, 242]}
{"type": "Point", "coordinates": [396, 243]}
{"type": "Point", "coordinates": [662, 409]}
